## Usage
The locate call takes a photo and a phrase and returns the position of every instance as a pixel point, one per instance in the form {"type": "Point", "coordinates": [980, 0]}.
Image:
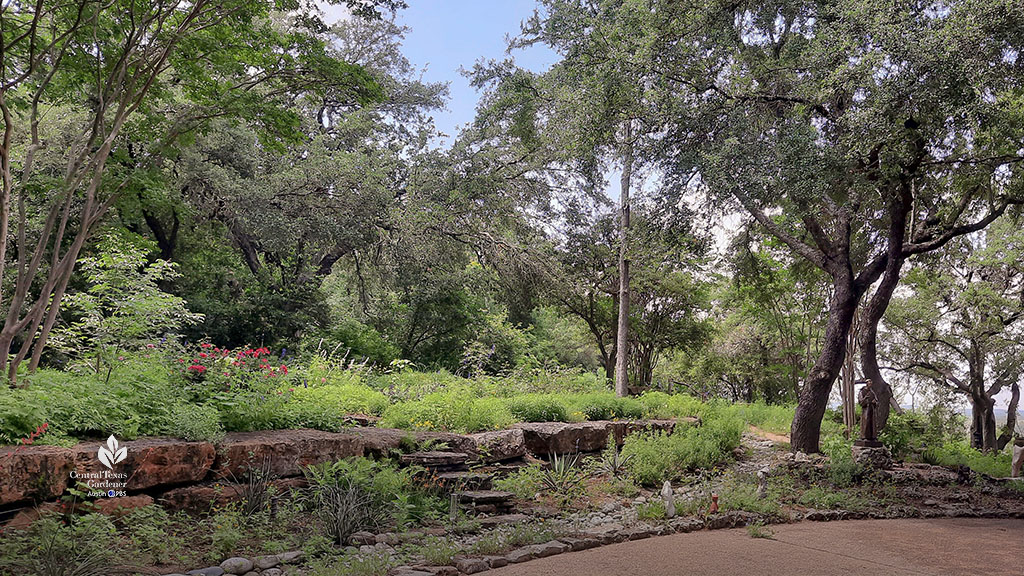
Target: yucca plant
{"type": "Point", "coordinates": [612, 462]}
{"type": "Point", "coordinates": [563, 476]}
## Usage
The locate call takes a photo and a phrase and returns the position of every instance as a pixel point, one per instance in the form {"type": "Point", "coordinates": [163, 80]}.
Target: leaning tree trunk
{"type": "Point", "coordinates": [806, 429]}
{"type": "Point", "coordinates": [900, 203]}
{"type": "Point", "coordinates": [1011, 418]}
{"type": "Point", "coordinates": [622, 333]}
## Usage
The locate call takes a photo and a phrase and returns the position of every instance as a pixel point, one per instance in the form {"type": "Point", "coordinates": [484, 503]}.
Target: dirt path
{"type": "Point", "coordinates": [947, 547]}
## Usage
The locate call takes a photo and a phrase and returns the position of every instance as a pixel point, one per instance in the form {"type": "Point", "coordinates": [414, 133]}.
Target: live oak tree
{"type": "Point", "coordinates": [594, 105]}
{"type": "Point", "coordinates": [80, 80]}
{"type": "Point", "coordinates": [860, 133]}
{"type": "Point", "coordinates": [961, 325]}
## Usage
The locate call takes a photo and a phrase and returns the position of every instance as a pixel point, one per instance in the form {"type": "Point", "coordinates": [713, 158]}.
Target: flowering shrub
{"type": "Point", "coordinates": [218, 369]}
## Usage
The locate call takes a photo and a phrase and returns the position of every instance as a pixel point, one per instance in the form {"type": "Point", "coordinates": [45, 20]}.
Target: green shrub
{"type": "Point", "coordinates": [80, 546]}
{"type": "Point", "coordinates": [743, 496]}
{"type": "Point", "coordinates": [841, 469]}
{"type": "Point", "coordinates": [655, 457]}
{"type": "Point", "coordinates": [453, 411]}
{"type": "Point", "coordinates": [606, 406]}
{"type": "Point", "coordinates": [651, 510]}
{"type": "Point", "coordinates": [148, 529]}
{"type": "Point", "coordinates": [360, 494]}
{"type": "Point", "coordinates": [538, 408]}
{"type": "Point", "coordinates": [194, 422]}
{"type": "Point", "coordinates": [524, 482]}
{"type": "Point", "coordinates": [960, 453]}
{"type": "Point", "coordinates": [324, 407]}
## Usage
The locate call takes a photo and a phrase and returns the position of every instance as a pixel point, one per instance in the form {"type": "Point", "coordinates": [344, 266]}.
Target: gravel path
{"type": "Point", "coordinates": [946, 547]}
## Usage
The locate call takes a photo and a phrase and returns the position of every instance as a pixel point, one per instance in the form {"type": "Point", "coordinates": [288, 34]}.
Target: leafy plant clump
{"type": "Point", "coordinates": [656, 457]}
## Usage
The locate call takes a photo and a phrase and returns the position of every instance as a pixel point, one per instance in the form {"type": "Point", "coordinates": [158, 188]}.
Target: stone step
{"type": "Point", "coordinates": [460, 481]}
{"type": "Point", "coordinates": [435, 460]}
{"type": "Point", "coordinates": [485, 497]}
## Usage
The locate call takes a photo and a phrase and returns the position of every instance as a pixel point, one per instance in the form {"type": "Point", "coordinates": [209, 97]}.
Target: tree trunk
{"type": "Point", "coordinates": [849, 377]}
{"type": "Point", "coordinates": [900, 203]}
{"type": "Point", "coordinates": [806, 428]}
{"type": "Point", "coordinates": [1011, 418]}
{"type": "Point", "coordinates": [622, 333]}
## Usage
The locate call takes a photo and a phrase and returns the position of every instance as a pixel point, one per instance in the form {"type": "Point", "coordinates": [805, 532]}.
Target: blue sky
{"type": "Point", "coordinates": [448, 34]}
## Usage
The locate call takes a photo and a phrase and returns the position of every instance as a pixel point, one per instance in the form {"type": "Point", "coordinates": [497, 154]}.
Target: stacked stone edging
{"type": "Point", "coordinates": [183, 471]}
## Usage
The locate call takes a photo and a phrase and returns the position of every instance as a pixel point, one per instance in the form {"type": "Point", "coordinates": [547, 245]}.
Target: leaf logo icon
{"type": "Point", "coordinates": [111, 454]}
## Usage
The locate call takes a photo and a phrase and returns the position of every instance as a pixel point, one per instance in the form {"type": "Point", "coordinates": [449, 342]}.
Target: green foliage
{"type": "Point", "coordinates": [324, 406]}
{"type": "Point", "coordinates": [596, 406]}
{"type": "Point", "coordinates": [657, 457]}
{"type": "Point", "coordinates": [439, 551]}
{"type": "Point", "coordinates": [564, 478]}
{"type": "Point", "coordinates": [827, 499]}
{"type": "Point", "coordinates": [760, 530]}
{"type": "Point", "coordinates": [148, 528]}
{"type": "Point", "coordinates": [525, 482]}
{"type": "Point", "coordinates": [507, 537]}
{"type": "Point", "coordinates": [356, 564]}
{"type": "Point", "coordinates": [360, 494]}
{"type": "Point", "coordinates": [841, 469]}
{"type": "Point", "coordinates": [612, 462]}
{"type": "Point", "coordinates": [651, 510]}
{"type": "Point", "coordinates": [995, 464]}
{"type": "Point", "coordinates": [740, 495]}
{"type": "Point", "coordinates": [137, 400]}
{"type": "Point", "coordinates": [538, 408]}
{"type": "Point", "coordinates": [123, 308]}
{"type": "Point", "coordinates": [453, 411]}
{"type": "Point", "coordinates": [53, 546]}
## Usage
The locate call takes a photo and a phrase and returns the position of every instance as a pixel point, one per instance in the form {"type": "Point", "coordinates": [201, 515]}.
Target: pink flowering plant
{"type": "Point", "coordinates": [247, 385]}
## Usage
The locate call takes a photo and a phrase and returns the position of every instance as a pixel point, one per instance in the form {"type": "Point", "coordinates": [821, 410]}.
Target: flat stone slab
{"type": "Point", "coordinates": [435, 459]}
{"type": "Point", "coordinates": [484, 497]}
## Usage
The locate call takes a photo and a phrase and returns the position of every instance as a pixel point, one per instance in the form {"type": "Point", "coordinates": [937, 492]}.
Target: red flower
{"type": "Point", "coordinates": [197, 368]}
{"type": "Point", "coordinates": [206, 345]}
{"type": "Point", "coordinates": [202, 354]}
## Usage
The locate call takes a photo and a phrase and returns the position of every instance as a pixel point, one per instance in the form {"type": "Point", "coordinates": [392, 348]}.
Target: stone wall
{"type": "Point", "coordinates": [186, 474]}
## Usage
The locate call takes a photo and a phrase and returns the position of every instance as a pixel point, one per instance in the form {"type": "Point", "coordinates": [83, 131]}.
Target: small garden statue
{"type": "Point", "coordinates": [868, 401]}
{"type": "Point", "coordinates": [713, 509]}
{"type": "Point", "coordinates": [668, 498]}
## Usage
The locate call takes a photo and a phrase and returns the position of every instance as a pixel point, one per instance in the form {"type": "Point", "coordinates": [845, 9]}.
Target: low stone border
{"type": "Point", "coordinates": [266, 565]}
{"type": "Point", "coordinates": [155, 466]}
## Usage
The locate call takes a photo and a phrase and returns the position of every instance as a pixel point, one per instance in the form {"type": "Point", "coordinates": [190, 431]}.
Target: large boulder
{"type": "Point", "coordinates": [33, 473]}
{"type": "Point", "coordinates": [499, 445]}
{"type": "Point", "coordinates": [285, 452]}
{"type": "Point", "coordinates": [150, 462]}
{"type": "Point", "coordinates": [546, 438]}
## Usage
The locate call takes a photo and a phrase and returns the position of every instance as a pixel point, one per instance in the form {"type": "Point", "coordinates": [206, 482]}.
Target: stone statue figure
{"type": "Point", "coordinates": [868, 401]}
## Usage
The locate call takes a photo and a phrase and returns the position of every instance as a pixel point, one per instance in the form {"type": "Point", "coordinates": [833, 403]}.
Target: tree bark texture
{"type": "Point", "coordinates": [622, 333]}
